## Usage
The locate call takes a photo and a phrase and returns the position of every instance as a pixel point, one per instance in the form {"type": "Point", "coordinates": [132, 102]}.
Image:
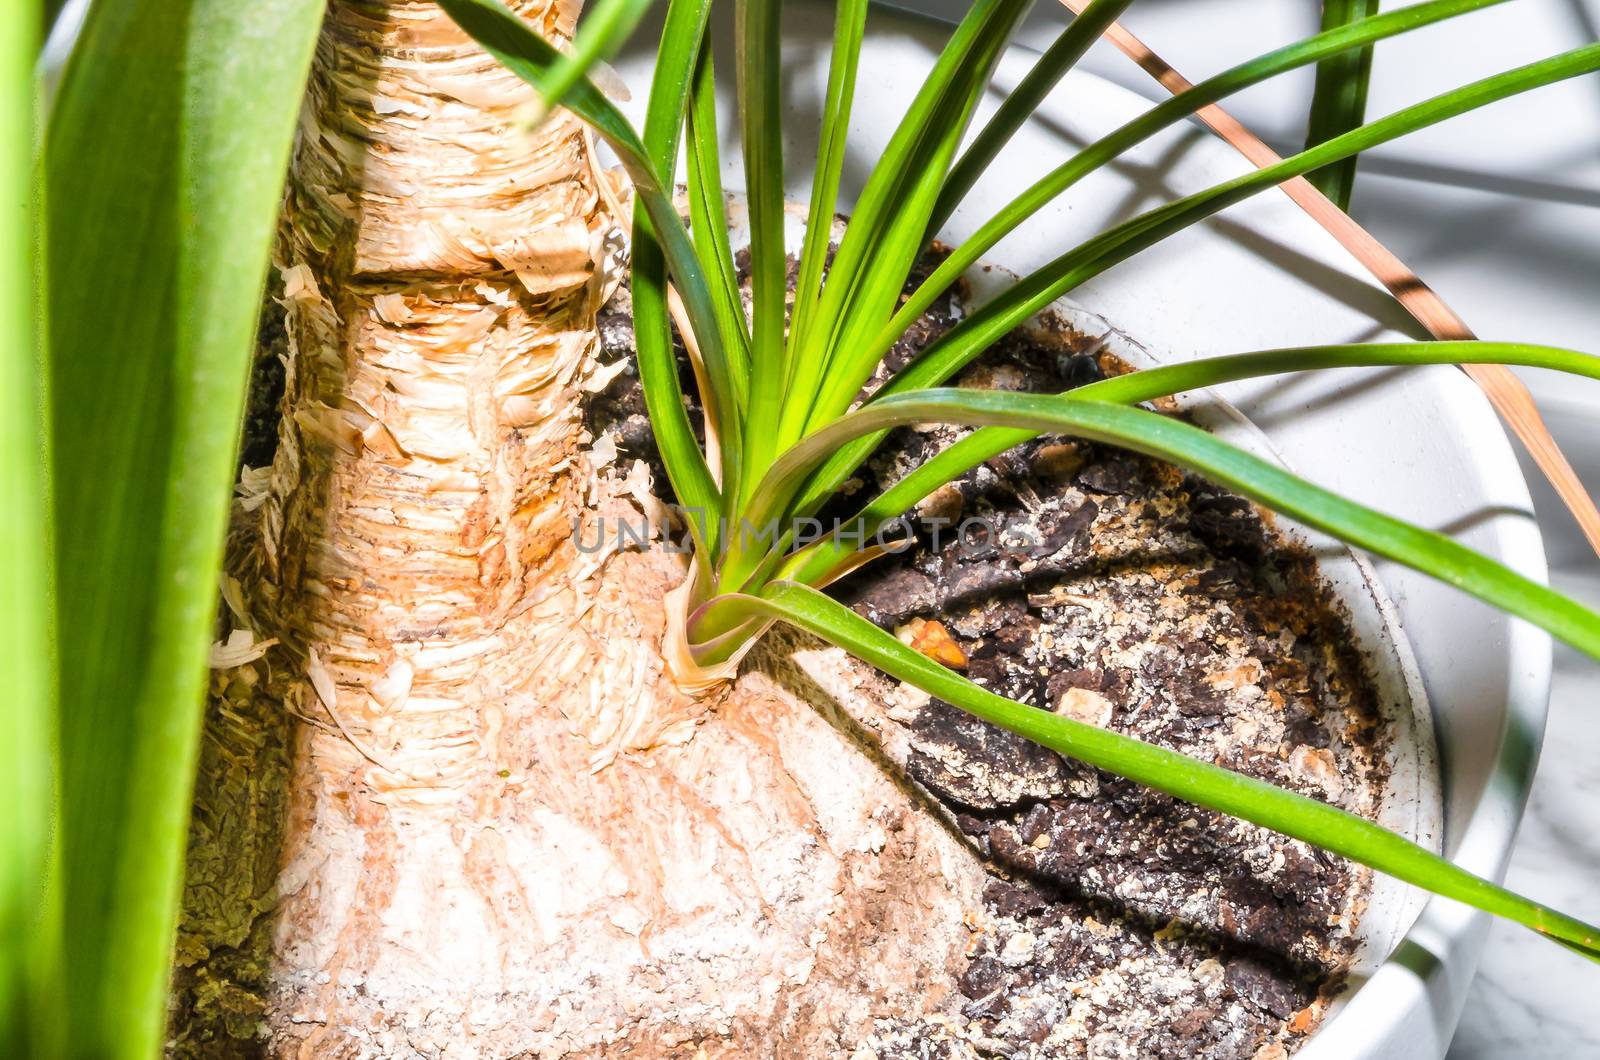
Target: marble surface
{"type": "Point", "coordinates": [1531, 999]}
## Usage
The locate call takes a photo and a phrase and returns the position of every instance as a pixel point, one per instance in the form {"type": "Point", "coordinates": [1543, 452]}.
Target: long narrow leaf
{"type": "Point", "coordinates": [29, 930]}
{"type": "Point", "coordinates": [163, 165]}
{"type": "Point", "coordinates": [882, 239]}
{"type": "Point", "coordinates": [1020, 103]}
{"type": "Point", "coordinates": [1505, 392]}
{"type": "Point", "coordinates": [1031, 294]}
{"type": "Point", "coordinates": [708, 217]}
{"type": "Point", "coordinates": [760, 67]}
{"type": "Point", "coordinates": [1196, 450]}
{"type": "Point", "coordinates": [929, 123]}
{"type": "Point", "coordinates": [1043, 286]}
{"type": "Point", "coordinates": [893, 248]}
{"type": "Point", "coordinates": [1176, 774]}
{"type": "Point", "coordinates": [605, 28]}
{"type": "Point", "coordinates": [676, 58]}
{"type": "Point", "coordinates": [1135, 387]}
{"type": "Point", "coordinates": [1339, 101]}
{"type": "Point", "coordinates": [849, 28]}
{"type": "Point", "coordinates": [1194, 99]}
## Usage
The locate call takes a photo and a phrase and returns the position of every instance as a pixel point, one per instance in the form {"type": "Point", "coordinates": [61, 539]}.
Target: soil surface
{"type": "Point", "coordinates": [1118, 590]}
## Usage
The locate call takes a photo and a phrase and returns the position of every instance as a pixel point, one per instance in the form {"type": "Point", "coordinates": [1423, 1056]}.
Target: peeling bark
{"type": "Point", "coordinates": [459, 810]}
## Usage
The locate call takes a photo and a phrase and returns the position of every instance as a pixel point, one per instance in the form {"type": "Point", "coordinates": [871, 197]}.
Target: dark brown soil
{"type": "Point", "coordinates": [259, 433]}
{"type": "Point", "coordinates": [1120, 922]}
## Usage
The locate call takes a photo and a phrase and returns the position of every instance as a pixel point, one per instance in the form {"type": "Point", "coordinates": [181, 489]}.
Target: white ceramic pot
{"type": "Point", "coordinates": [1421, 443]}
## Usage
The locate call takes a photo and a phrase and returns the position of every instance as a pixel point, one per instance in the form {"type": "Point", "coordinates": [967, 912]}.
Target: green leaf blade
{"type": "Point", "coordinates": [1020, 103]}
{"type": "Point", "coordinates": [849, 30]}
{"type": "Point", "coordinates": [1332, 43]}
{"type": "Point", "coordinates": [660, 246]}
{"type": "Point", "coordinates": [606, 28]}
{"type": "Point", "coordinates": [708, 219]}
{"type": "Point", "coordinates": [186, 169]}
{"type": "Point", "coordinates": [1152, 383]}
{"type": "Point", "coordinates": [30, 924]}
{"type": "Point", "coordinates": [1037, 290]}
{"type": "Point", "coordinates": [759, 69]}
{"type": "Point", "coordinates": [895, 239]}
{"type": "Point", "coordinates": [1196, 450]}
{"type": "Point", "coordinates": [931, 126]}
{"type": "Point", "coordinates": [1339, 100]}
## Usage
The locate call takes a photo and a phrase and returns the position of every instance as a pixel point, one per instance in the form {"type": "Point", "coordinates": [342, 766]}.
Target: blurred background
{"type": "Point", "coordinates": [1499, 211]}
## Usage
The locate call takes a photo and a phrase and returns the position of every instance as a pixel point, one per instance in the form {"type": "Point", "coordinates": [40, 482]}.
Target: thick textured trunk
{"type": "Point", "coordinates": [459, 810]}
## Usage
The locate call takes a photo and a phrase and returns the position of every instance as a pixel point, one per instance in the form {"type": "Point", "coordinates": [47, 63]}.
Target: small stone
{"type": "Point", "coordinates": [905, 702]}
{"type": "Point", "coordinates": [982, 978]}
{"type": "Point", "coordinates": [1271, 1051]}
{"type": "Point", "coordinates": [943, 503]}
{"type": "Point", "coordinates": [1057, 461]}
{"type": "Point", "coordinates": [932, 639]}
{"type": "Point", "coordinates": [1018, 949]}
{"type": "Point", "coordinates": [1317, 765]}
{"type": "Point", "coordinates": [1110, 1045]}
{"type": "Point", "coordinates": [1247, 673]}
{"type": "Point", "coordinates": [987, 1007]}
{"type": "Point", "coordinates": [1089, 707]}
{"type": "Point", "coordinates": [980, 766]}
{"type": "Point", "coordinates": [1109, 476]}
{"type": "Point", "coordinates": [896, 595]}
{"type": "Point", "coordinates": [1257, 983]}
{"type": "Point", "coordinates": [1035, 824]}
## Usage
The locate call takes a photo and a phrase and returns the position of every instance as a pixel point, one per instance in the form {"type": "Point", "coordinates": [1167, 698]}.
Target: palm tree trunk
{"type": "Point", "coordinates": [460, 810]}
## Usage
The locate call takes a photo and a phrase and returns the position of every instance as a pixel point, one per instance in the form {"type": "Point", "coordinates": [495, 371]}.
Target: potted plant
{"type": "Point", "coordinates": [469, 788]}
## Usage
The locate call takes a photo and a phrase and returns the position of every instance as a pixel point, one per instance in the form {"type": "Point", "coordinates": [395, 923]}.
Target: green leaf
{"type": "Point", "coordinates": [676, 59]}
{"type": "Point", "coordinates": [1339, 101]}
{"type": "Point", "coordinates": [29, 920]}
{"type": "Point", "coordinates": [896, 235]}
{"type": "Point", "coordinates": [759, 68]}
{"type": "Point", "coordinates": [1034, 292]}
{"type": "Point", "coordinates": [1135, 387]}
{"type": "Point", "coordinates": [880, 243]}
{"type": "Point", "coordinates": [1178, 775]}
{"type": "Point", "coordinates": [604, 29]}
{"type": "Point", "coordinates": [708, 217]}
{"type": "Point", "coordinates": [911, 167]}
{"type": "Point", "coordinates": [1020, 103]}
{"type": "Point", "coordinates": [1052, 185]}
{"type": "Point", "coordinates": [849, 28]}
{"type": "Point", "coordinates": [163, 167]}
{"type": "Point", "coordinates": [26, 31]}
{"type": "Point", "coordinates": [1191, 448]}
